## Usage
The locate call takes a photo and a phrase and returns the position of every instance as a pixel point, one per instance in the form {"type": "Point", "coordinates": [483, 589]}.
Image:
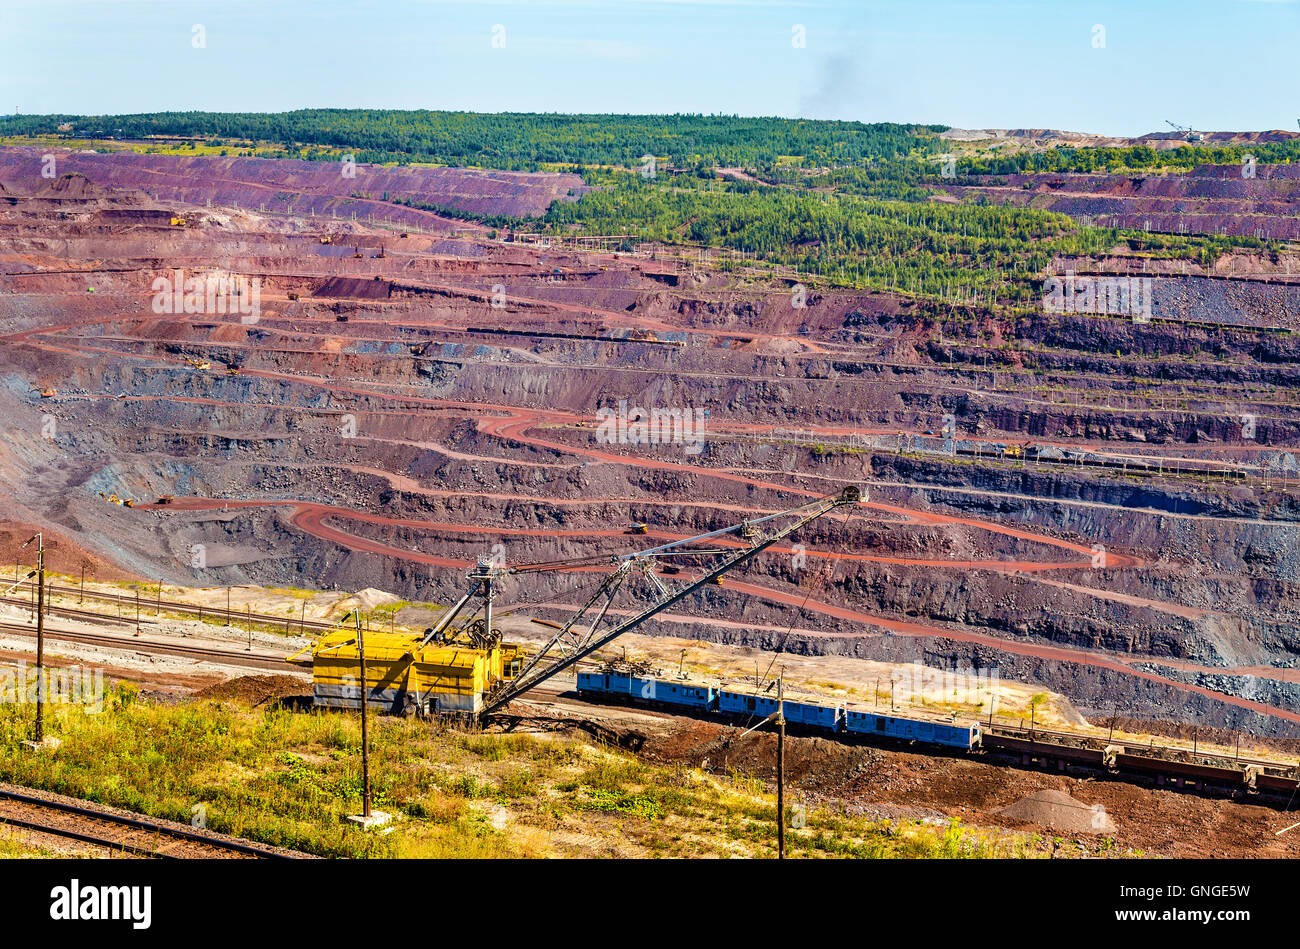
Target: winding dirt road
{"type": "Point", "coordinates": [526, 427]}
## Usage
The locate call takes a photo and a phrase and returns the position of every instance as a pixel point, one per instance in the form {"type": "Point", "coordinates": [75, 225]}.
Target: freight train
{"type": "Point", "coordinates": [1149, 764]}
{"type": "Point", "coordinates": [735, 703]}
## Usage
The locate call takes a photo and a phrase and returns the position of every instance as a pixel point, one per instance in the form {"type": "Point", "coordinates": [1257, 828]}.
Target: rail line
{"type": "Point", "coordinates": [1208, 773]}
{"type": "Point", "coordinates": [151, 646]}
{"type": "Point", "coordinates": [174, 606]}
{"type": "Point", "coordinates": [141, 836]}
{"type": "Point", "coordinates": [68, 612]}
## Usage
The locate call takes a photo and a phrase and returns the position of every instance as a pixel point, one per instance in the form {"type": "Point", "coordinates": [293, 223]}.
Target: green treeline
{"type": "Point", "coordinates": [847, 201]}
{"type": "Point", "coordinates": [512, 140]}
{"type": "Point", "coordinates": [1135, 158]}
{"type": "Point", "coordinates": [954, 251]}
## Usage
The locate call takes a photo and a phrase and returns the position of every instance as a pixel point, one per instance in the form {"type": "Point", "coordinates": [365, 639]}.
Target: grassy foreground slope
{"type": "Point", "coordinates": [288, 778]}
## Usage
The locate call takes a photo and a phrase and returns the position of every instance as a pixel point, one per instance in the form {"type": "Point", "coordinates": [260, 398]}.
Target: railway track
{"type": "Point", "coordinates": [137, 836]}
{"type": "Point", "coordinates": [135, 644]}
{"type": "Point", "coordinates": [173, 606]}
{"type": "Point", "coordinates": [68, 612]}
{"type": "Point", "coordinates": [1152, 749]}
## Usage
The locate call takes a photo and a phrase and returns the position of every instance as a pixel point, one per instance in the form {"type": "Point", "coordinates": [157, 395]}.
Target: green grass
{"type": "Point", "coordinates": [289, 778]}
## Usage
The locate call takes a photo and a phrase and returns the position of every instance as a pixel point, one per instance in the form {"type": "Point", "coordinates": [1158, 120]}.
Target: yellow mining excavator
{"type": "Point", "coordinates": [460, 666]}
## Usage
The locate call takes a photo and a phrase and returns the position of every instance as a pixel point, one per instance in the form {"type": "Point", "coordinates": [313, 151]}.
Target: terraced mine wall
{"type": "Point", "coordinates": [396, 448]}
{"type": "Point", "coordinates": [310, 188]}
{"type": "Point", "coordinates": [1210, 199]}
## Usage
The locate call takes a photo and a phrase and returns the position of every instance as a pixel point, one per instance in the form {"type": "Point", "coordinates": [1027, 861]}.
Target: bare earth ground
{"type": "Point", "coordinates": [896, 783]}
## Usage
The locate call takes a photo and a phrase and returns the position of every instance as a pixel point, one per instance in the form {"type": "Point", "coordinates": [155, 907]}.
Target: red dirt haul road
{"type": "Point", "coordinates": [312, 518]}
{"type": "Point", "coordinates": [516, 424]}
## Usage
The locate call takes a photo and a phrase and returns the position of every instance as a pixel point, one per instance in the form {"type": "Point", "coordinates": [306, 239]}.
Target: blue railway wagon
{"type": "Point", "coordinates": [592, 682]}
{"type": "Point", "coordinates": [610, 683]}
{"type": "Point", "coordinates": [684, 694]}
{"type": "Point", "coordinates": [801, 713]}
{"type": "Point", "coordinates": [952, 734]}
{"type": "Point", "coordinates": [643, 689]}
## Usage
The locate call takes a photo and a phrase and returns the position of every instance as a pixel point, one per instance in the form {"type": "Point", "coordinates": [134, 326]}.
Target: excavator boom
{"type": "Point", "coordinates": [578, 647]}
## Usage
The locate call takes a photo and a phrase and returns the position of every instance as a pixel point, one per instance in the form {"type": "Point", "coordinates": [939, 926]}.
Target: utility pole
{"type": "Point", "coordinates": [365, 737]}
{"type": "Point", "coordinates": [40, 635]}
{"type": "Point", "coordinates": [780, 768]}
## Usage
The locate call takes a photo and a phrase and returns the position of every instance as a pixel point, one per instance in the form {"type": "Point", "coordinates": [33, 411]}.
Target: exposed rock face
{"type": "Point", "coordinates": [1210, 199]}
{"type": "Point", "coordinates": [290, 186]}
{"type": "Point", "coordinates": [1072, 499]}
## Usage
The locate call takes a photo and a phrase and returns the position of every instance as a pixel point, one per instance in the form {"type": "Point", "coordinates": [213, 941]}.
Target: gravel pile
{"type": "Point", "coordinates": [1059, 811]}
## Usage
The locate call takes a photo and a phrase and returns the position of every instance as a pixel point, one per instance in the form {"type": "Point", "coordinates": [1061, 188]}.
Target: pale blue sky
{"type": "Point", "coordinates": [1211, 64]}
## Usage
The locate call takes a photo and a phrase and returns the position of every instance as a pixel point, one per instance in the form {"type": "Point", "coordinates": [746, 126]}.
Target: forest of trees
{"type": "Point", "coordinates": [515, 141]}
{"type": "Point", "coordinates": [1135, 158]}
{"type": "Point", "coordinates": [955, 251]}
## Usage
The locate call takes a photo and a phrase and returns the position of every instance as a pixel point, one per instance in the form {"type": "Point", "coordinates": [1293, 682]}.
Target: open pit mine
{"type": "Point", "coordinates": [219, 372]}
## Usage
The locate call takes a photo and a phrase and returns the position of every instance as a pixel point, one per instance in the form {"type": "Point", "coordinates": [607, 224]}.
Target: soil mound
{"type": "Point", "coordinates": [367, 599]}
{"type": "Point", "coordinates": [256, 689]}
{"type": "Point", "coordinates": [1059, 811]}
{"type": "Point", "coordinates": [74, 186]}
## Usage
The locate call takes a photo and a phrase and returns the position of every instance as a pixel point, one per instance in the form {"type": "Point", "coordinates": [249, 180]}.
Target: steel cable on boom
{"type": "Point", "coordinates": [786, 635]}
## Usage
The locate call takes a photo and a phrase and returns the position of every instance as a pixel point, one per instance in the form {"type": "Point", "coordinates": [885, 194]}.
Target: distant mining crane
{"type": "Point", "coordinates": [1190, 134]}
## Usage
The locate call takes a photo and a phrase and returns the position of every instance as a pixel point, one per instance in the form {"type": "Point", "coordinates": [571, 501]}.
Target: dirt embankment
{"type": "Point", "coordinates": [291, 186]}
{"type": "Point", "coordinates": [62, 554]}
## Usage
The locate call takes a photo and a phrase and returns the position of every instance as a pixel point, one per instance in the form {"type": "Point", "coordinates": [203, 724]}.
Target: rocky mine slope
{"type": "Point", "coordinates": [1074, 499]}
{"type": "Point", "coordinates": [1210, 199]}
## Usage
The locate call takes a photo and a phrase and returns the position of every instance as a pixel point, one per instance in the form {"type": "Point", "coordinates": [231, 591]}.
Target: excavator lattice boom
{"type": "Point", "coordinates": [573, 642]}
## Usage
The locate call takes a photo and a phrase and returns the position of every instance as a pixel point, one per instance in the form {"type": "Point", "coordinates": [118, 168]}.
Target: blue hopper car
{"type": "Point", "coordinates": [831, 719]}
{"type": "Point", "coordinates": [951, 734]}
{"type": "Point", "coordinates": [799, 713]}
{"type": "Point", "coordinates": [649, 690]}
